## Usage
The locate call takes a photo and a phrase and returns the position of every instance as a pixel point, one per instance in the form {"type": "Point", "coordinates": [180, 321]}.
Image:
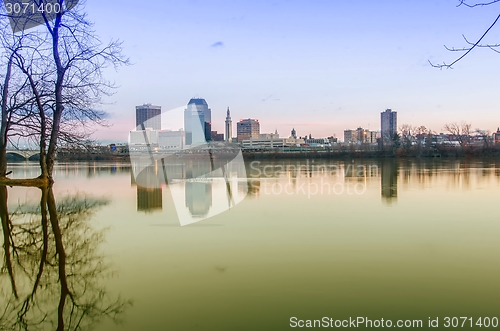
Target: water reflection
{"type": "Point", "coordinates": [389, 180]}
{"type": "Point", "coordinates": [199, 187]}
{"type": "Point", "coordinates": [149, 194]}
{"type": "Point", "coordinates": [325, 177]}
{"type": "Point", "coordinates": [54, 268]}
{"type": "Point", "coordinates": [198, 198]}
{"type": "Point", "coordinates": [197, 190]}
{"type": "Point", "coordinates": [307, 251]}
{"type": "Point", "coordinates": [198, 194]}
{"type": "Point", "coordinates": [149, 199]}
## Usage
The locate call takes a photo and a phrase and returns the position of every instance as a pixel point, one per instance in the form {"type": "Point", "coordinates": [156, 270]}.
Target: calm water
{"type": "Point", "coordinates": [377, 238]}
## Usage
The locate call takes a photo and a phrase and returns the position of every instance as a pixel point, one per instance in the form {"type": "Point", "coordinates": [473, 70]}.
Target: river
{"type": "Point", "coordinates": [253, 248]}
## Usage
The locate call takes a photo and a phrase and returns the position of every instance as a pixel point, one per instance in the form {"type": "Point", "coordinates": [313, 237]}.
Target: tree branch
{"type": "Point", "coordinates": [481, 4]}
{"type": "Point", "coordinates": [467, 51]}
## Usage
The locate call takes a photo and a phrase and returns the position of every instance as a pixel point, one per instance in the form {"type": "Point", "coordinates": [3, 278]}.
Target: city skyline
{"type": "Point", "coordinates": [319, 67]}
{"type": "Point", "coordinates": [197, 108]}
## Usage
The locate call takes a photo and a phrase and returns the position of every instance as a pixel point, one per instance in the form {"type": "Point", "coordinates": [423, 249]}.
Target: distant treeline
{"type": "Point", "coordinates": [436, 152]}
{"type": "Point", "coordinates": [92, 156]}
{"type": "Point", "coordinates": [309, 153]}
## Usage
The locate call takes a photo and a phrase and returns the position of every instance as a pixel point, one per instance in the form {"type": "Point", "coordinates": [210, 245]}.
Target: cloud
{"type": "Point", "coordinates": [217, 44]}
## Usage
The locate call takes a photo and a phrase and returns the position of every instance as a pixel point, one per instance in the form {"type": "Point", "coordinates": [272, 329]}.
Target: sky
{"type": "Point", "coordinates": [319, 66]}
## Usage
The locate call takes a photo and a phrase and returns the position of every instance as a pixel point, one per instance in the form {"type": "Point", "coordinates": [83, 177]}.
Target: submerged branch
{"type": "Point", "coordinates": [40, 182]}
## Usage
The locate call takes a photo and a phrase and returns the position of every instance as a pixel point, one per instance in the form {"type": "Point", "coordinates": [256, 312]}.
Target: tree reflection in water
{"type": "Point", "coordinates": [53, 273]}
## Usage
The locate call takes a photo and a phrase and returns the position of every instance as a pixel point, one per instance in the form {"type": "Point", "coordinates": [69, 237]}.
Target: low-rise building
{"type": "Point", "coordinates": [171, 140]}
{"type": "Point", "coordinates": [157, 140]}
{"type": "Point", "coordinates": [271, 143]}
{"type": "Point", "coordinates": [141, 139]}
{"type": "Point", "coordinates": [247, 128]}
{"type": "Point", "coordinates": [360, 136]}
{"type": "Point", "coordinates": [496, 137]}
{"type": "Point", "coordinates": [317, 142]}
{"type": "Point", "coordinates": [333, 140]}
{"type": "Point", "coordinates": [264, 136]}
{"type": "Point", "coordinates": [217, 136]}
{"type": "Point", "coordinates": [370, 137]}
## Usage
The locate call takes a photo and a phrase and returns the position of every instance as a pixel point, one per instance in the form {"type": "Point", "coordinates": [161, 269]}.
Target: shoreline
{"type": "Point", "coordinates": [435, 154]}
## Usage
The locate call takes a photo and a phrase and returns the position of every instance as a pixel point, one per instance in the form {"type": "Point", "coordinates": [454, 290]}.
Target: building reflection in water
{"type": "Point", "coordinates": [389, 181]}
{"type": "Point", "coordinates": [198, 193]}
{"type": "Point", "coordinates": [149, 192]}
{"type": "Point", "coordinates": [200, 187]}
{"type": "Point", "coordinates": [252, 185]}
{"type": "Point", "coordinates": [149, 200]}
{"type": "Point", "coordinates": [198, 198]}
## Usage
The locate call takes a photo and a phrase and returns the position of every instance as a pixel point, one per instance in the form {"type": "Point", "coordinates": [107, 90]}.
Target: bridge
{"type": "Point", "coordinates": [26, 153]}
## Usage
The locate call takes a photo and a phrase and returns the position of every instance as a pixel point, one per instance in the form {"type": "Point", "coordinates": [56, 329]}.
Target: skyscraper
{"type": "Point", "coordinates": [148, 116]}
{"type": "Point", "coordinates": [197, 122]}
{"type": "Point", "coordinates": [248, 128]}
{"type": "Point", "coordinates": [389, 125]}
{"type": "Point", "coordinates": [229, 127]}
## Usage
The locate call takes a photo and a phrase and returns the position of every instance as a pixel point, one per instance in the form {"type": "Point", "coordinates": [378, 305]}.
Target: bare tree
{"type": "Point", "coordinates": [6, 111]}
{"type": "Point", "coordinates": [26, 55]}
{"type": "Point", "coordinates": [484, 136]}
{"type": "Point", "coordinates": [62, 64]}
{"type": "Point", "coordinates": [460, 132]}
{"type": "Point", "coordinates": [471, 44]}
{"type": "Point", "coordinates": [420, 133]}
{"type": "Point", "coordinates": [79, 58]}
{"type": "Point", "coordinates": [407, 134]}
{"type": "Point", "coordinates": [26, 95]}
{"type": "Point", "coordinates": [15, 97]}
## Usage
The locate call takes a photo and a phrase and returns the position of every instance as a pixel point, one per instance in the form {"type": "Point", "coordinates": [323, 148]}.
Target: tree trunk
{"type": "Point", "coordinates": [43, 257]}
{"type": "Point", "coordinates": [5, 123]}
{"type": "Point", "coordinates": [6, 229]}
{"type": "Point", "coordinates": [56, 120]}
{"type": "Point", "coordinates": [61, 254]}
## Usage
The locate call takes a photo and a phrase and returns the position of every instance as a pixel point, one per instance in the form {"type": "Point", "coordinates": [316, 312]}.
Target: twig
{"type": "Point", "coordinates": [448, 66]}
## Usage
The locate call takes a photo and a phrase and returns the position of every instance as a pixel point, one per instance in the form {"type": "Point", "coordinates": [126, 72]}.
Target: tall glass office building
{"type": "Point", "coordinates": [148, 116]}
{"type": "Point", "coordinates": [197, 122]}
